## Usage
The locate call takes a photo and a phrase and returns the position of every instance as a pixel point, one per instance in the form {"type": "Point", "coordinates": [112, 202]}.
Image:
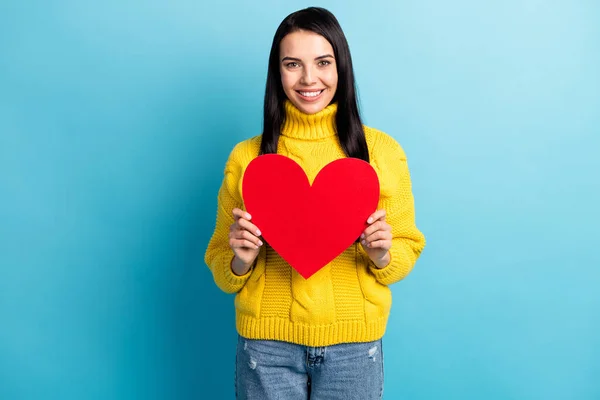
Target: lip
{"type": "Point", "coordinates": [311, 99]}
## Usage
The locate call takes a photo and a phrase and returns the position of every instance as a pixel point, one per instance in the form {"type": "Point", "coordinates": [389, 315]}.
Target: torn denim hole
{"type": "Point", "coordinates": [373, 353]}
{"type": "Point", "coordinates": [252, 363]}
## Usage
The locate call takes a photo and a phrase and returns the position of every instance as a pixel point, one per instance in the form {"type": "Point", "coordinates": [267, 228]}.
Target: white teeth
{"type": "Point", "coordinates": [311, 94]}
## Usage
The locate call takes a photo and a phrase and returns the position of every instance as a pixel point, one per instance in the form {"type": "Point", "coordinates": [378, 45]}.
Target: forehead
{"type": "Point", "coordinates": [304, 44]}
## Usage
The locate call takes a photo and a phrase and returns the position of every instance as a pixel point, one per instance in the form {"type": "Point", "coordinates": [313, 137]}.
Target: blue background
{"type": "Point", "coordinates": [116, 119]}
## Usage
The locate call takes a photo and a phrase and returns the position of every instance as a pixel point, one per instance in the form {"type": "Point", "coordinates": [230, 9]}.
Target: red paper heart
{"type": "Point", "coordinates": [309, 226]}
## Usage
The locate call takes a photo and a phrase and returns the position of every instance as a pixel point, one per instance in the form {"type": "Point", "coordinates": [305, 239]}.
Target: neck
{"type": "Point", "coordinates": [309, 126]}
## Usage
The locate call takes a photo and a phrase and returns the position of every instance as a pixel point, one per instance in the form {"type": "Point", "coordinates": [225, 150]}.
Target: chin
{"type": "Point", "coordinates": [311, 108]}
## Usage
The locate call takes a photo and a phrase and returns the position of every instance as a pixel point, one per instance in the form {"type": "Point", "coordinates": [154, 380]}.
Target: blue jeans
{"type": "Point", "coordinates": [269, 370]}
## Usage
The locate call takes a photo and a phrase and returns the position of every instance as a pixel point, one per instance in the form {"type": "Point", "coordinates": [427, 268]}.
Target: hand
{"type": "Point", "coordinates": [244, 241]}
{"type": "Point", "coordinates": [376, 240]}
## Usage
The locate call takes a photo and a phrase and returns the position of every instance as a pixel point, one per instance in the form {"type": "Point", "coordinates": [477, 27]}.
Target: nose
{"type": "Point", "coordinates": [307, 76]}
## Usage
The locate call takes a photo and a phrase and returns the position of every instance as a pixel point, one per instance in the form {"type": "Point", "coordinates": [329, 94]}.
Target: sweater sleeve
{"type": "Point", "coordinates": [397, 199]}
{"type": "Point", "coordinates": [218, 254]}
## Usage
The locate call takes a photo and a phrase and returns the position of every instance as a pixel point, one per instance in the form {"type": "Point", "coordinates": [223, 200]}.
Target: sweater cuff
{"type": "Point", "coordinates": [380, 273]}
{"type": "Point", "coordinates": [395, 271]}
{"type": "Point", "coordinates": [234, 282]}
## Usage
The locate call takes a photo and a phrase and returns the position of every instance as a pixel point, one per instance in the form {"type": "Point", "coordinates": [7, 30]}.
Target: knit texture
{"type": "Point", "coordinates": [348, 300]}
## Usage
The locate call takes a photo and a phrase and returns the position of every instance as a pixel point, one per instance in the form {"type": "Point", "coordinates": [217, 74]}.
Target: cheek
{"type": "Point", "coordinates": [331, 79]}
{"type": "Point", "coordinates": [287, 80]}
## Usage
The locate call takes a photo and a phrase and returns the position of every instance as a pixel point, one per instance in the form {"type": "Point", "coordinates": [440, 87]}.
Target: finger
{"type": "Point", "coordinates": [379, 235]}
{"type": "Point", "coordinates": [377, 226]}
{"type": "Point", "coordinates": [377, 215]}
{"type": "Point", "coordinates": [380, 244]}
{"type": "Point", "coordinates": [249, 226]}
{"type": "Point", "coordinates": [242, 244]}
{"type": "Point", "coordinates": [238, 213]}
{"type": "Point", "coordinates": [242, 234]}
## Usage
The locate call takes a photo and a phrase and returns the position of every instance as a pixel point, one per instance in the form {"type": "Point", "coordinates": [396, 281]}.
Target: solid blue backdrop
{"type": "Point", "coordinates": [116, 119]}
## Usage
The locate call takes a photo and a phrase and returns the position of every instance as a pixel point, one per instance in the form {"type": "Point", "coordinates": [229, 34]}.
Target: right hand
{"type": "Point", "coordinates": [244, 238]}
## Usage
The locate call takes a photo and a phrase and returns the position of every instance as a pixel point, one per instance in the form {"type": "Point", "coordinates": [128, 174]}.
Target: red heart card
{"type": "Point", "coordinates": [309, 226]}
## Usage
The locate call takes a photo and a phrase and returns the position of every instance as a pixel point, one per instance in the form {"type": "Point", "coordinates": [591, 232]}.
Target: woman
{"type": "Point", "coordinates": [319, 337]}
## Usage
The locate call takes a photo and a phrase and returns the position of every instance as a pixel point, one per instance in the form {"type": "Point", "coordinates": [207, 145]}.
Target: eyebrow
{"type": "Point", "coordinates": [316, 58]}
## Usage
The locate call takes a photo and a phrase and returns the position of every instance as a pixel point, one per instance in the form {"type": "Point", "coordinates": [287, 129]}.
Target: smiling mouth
{"type": "Point", "coordinates": [313, 94]}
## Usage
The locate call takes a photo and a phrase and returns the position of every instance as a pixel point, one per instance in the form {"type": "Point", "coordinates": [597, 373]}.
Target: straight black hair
{"type": "Point", "coordinates": [348, 122]}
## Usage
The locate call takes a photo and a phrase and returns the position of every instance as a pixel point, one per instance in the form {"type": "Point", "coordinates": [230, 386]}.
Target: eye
{"type": "Point", "coordinates": [292, 64]}
{"type": "Point", "coordinates": [324, 63]}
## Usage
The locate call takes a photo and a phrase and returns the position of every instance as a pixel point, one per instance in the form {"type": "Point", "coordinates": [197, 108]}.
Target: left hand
{"type": "Point", "coordinates": [376, 240]}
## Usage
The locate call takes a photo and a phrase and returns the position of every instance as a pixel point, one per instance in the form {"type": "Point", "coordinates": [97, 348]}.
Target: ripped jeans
{"type": "Point", "coordinates": [269, 370]}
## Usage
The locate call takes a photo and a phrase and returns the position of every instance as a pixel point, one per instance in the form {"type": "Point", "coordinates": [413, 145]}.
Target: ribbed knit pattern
{"type": "Point", "coordinates": [349, 299]}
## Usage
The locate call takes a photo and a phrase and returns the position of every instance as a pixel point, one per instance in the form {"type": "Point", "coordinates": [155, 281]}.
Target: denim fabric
{"type": "Point", "coordinates": [269, 370]}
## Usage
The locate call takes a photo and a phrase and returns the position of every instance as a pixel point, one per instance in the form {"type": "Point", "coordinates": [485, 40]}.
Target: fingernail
{"type": "Point", "coordinates": [260, 243]}
{"type": "Point", "coordinates": [258, 232]}
{"type": "Point", "coordinates": [362, 236]}
{"type": "Point", "coordinates": [369, 220]}
{"type": "Point", "coordinates": [248, 216]}
{"type": "Point", "coordinates": [364, 242]}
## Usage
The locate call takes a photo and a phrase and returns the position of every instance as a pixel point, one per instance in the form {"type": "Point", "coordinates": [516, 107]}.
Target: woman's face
{"type": "Point", "coordinates": [308, 70]}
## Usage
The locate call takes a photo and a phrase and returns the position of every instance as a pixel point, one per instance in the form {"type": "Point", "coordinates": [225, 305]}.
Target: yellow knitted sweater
{"type": "Point", "coordinates": [349, 299]}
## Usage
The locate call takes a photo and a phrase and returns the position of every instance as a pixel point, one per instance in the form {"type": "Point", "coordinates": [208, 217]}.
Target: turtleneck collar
{"type": "Point", "coordinates": [309, 126]}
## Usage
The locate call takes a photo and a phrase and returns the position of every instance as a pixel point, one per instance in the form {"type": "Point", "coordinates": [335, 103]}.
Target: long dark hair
{"type": "Point", "coordinates": [348, 123]}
